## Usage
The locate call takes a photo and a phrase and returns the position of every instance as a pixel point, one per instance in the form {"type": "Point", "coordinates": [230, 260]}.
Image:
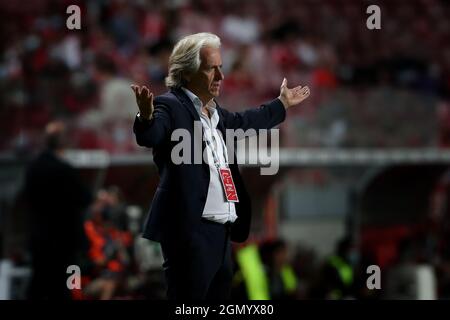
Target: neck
{"type": "Point", "coordinates": [204, 99]}
{"type": "Point", "coordinates": [206, 111]}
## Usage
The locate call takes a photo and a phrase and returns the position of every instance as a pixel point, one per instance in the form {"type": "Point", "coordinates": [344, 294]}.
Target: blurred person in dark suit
{"type": "Point", "coordinates": [56, 199]}
{"type": "Point", "coordinates": [191, 215]}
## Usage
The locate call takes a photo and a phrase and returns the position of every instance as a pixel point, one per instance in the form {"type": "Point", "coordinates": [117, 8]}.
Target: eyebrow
{"type": "Point", "coordinates": [213, 66]}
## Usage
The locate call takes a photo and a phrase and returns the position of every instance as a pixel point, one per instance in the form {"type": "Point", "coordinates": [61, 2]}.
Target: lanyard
{"type": "Point", "coordinates": [213, 150]}
{"type": "Point", "coordinates": [226, 178]}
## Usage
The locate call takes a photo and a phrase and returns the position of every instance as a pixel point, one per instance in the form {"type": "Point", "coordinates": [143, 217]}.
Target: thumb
{"type": "Point", "coordinates": [284, 83]}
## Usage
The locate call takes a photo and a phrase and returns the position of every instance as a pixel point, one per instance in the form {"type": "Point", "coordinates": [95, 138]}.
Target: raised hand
{"type": "Point", "coordinates": [291, 97]}
{"type": "Point", "coordinates": [144, 100]}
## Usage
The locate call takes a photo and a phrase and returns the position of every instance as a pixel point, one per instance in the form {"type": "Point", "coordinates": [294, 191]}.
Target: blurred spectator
{"type": "Point", "coordinates": [115, 97]}
{"type": "Point", "coordinates": [264, 273]}
{"type": "Point", "coordinates": [56, 199]}
{"type": "Point", "coordinates": [439, 234]}
{"type": "Point", "coordinates": [109, 246]}
{"type": "Point", "coordinates": [411, 276]}
{"type": "Point", "coordinates": [112, 119]}
{"type": "Point", "coordinates": [240, 28]}
{"type": "Point", "coordinates": [250, 280]}
{"type": "Point", "coordinates": [282, 279]}
{"type": "Point", "coordinates": [339, 276]}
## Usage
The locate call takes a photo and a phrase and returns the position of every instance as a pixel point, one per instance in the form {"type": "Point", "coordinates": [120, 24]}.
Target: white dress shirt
{"type": "Point", "coordinates": [217, 208]}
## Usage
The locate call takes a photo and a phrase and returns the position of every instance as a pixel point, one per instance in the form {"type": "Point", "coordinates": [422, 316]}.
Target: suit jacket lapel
{"type": "Point", "coordinates": [179, 93]}
{"type": "Point", "coordinates": [187, 103]}
{"type": "Point", "coordinates": [220, 124]}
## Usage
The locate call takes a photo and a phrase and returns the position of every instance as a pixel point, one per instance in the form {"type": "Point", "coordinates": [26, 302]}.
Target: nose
{"type": "Point", "coordinates": [219, 75]}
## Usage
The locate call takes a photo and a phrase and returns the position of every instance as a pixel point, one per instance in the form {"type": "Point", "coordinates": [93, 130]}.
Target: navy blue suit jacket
{"type": "Point", "coordinates": [180, 198]}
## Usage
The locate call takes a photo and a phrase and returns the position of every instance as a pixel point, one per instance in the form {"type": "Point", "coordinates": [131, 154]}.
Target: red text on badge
{"type": "Point", "coordinates": [228, 185]}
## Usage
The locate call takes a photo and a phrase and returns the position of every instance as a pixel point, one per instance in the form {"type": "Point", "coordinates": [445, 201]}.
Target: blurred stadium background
{"type": "Point", "coordinates": [365, 158]}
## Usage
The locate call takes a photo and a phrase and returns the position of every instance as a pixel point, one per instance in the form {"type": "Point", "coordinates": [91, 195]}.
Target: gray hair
{"type": "Point", "coordinates": [185, 56]}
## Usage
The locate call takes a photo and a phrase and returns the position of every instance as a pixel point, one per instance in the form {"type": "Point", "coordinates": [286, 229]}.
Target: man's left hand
{"type": "Point", "coordinates": [291, 97]}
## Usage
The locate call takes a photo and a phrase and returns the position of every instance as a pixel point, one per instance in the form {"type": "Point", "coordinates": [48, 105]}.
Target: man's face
{"type": "Point", "coordinates": [205, 83]}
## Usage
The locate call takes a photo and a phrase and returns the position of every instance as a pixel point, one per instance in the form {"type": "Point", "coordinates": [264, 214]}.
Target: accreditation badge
{"type": "Point", "coordinates": [228, 185]}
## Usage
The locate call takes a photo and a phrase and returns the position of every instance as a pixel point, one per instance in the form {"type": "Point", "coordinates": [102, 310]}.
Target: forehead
{"type": "Point", "coordinates": [210, 56]}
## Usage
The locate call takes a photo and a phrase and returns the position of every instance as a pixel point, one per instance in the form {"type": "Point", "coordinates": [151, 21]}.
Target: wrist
{"type": "Point", "coordinates": [142, 117]}
{"type": "Point", "coordinates": [284, 102]}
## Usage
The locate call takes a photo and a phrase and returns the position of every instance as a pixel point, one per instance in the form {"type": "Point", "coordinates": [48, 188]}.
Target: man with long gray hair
{"type": "Point", "coordinates": [199, 208]}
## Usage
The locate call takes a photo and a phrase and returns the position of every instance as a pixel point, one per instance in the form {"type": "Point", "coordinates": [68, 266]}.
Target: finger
{"type": "Point", "coordinates": [147, 92]}
{"type": "Point", "coordinates": [133, 87]}
{"type": "Point", "coordinates": [151, 99]}
{"type": "Point", "coordinates": [305, 90]}
{"type": "Point", "coordinates": [298, 89]}
{"type": "Point", "coordinates": [284, 83]}
{"type": "Point", "coordinates": [305, 94]}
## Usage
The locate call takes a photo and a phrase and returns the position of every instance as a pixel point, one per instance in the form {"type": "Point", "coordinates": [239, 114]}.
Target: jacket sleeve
{"type": "Point", "coordinates": [156, 131]}
{"type": "Point", "coordinates": [266, 116]}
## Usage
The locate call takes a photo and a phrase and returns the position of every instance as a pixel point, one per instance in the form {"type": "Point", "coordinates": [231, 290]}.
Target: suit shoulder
{"type": "Point", "coordinates": [222, 111]}
{"type": "Point", "coordinates": [167, 98]}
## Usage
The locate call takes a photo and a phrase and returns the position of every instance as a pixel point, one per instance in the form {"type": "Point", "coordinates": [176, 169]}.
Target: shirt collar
{"type": "Point", "coordinates": [211, 106]}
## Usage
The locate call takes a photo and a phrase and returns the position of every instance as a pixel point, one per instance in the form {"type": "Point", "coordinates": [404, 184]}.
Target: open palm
{"type": "Point", "coordinates": [144, 100]}
{"type": "Point", "coordinates": [291, 97]}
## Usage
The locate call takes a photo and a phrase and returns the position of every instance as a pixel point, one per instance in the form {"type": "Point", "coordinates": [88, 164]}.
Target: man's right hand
{"type": "Point", "coordinates": [144, 100]}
